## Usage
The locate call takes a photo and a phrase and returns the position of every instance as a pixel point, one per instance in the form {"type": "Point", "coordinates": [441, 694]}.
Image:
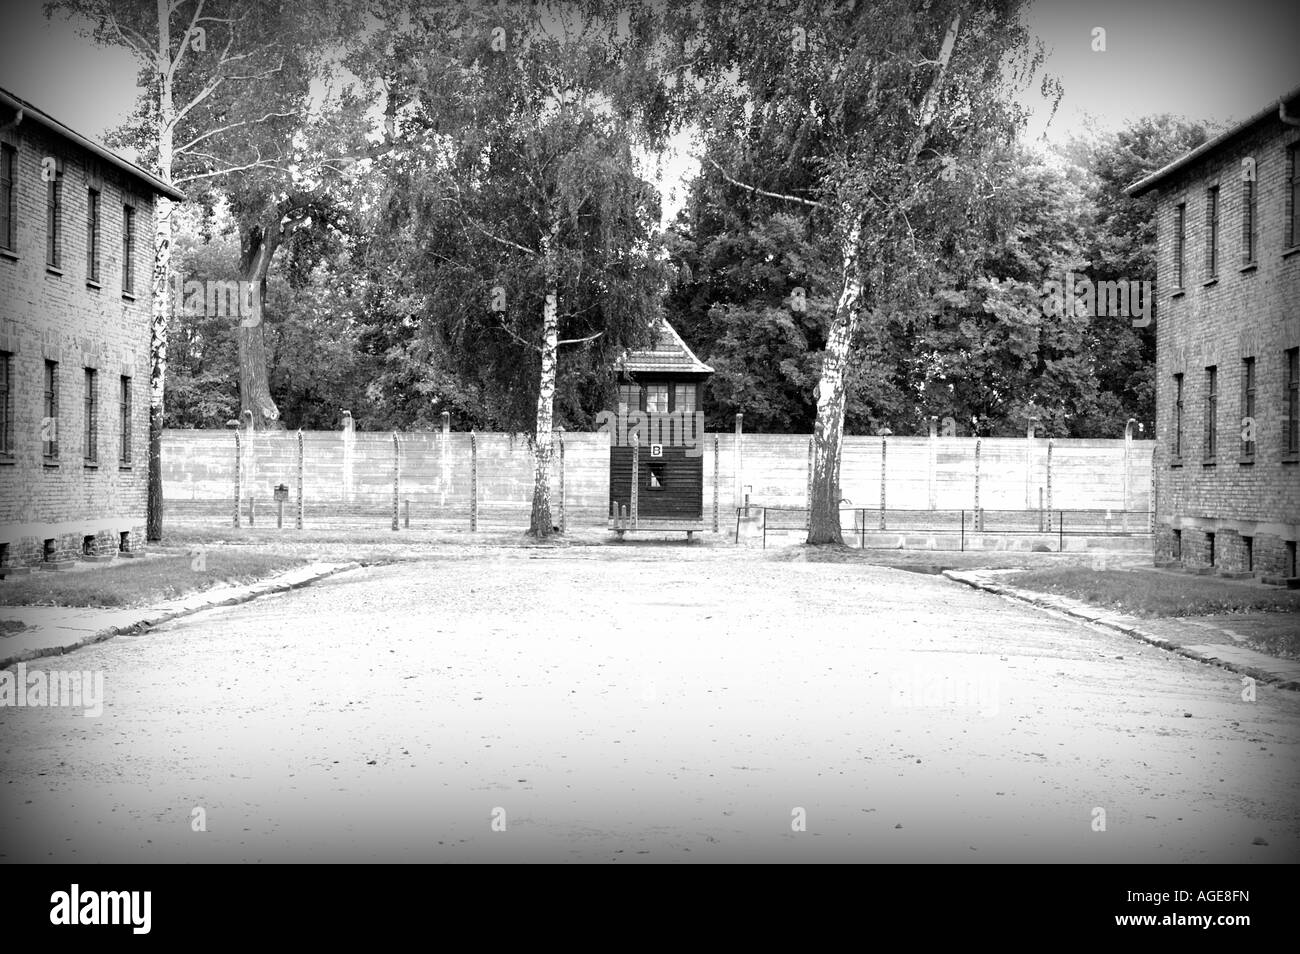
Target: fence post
{"type": "Point", "coordinates": [406, 522]}
{"type": "Point", "coordinates": [559, 439]}
{"type": "Point", "coordinates": [444, 459]}
{"type": "Point", "coordinates": [717, 457]}
{"type": "Point", "coordinates": [808, 499]}
{"type": "Point", "coordinates": [1151, 512]}
{"type": "Point", "coordinates": [473, 481]}
{"type": "Point", "coordinates": [884, 443]}
{"type": "Point", "coordinates": [238, 454]}
{"type": "Point", "coordinates": [636, 467]}
{"type": "Point", "coordinates": [250, 510]}
{"type": "Point", "coordinates": [934, 453]}
{"type": "Point", "coordinates": [1049, 485]}
{"type": "Point", "coordinates": [279, 512]}
{"type": "Point", "coordinates": [396, 471]}
{"type": "Point", "coordinates": [298, 519]}
{"type": "Point", "coordinates": [977, 485]}
{"type": "Point", "coordinates": [1029, 462]}
{"type": "Point", "coordinates": [963, 531]}
{"type": "Point", "coordinates": [736, 455]}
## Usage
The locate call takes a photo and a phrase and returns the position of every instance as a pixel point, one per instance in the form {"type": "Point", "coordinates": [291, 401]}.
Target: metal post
{"type": "Point", "coordinates": [563, 513]}
{"type": "Point", "coordinates": [933, 455]}
{"type": "Point", "coordinates": [237, 465]}
{"type": "Point", "coordinates": [963, 531]}
{"type": "Point", "coordinates": [716, 461]}
{"type": "Point", "coordinates": [883, 444]}
{"type": "Point", "coordinates": [764, 526]}
{"type": "Point", "coordinates": [250, 510]}
{"type": "Point", "coordinates": [808, 499]}
{"type": "Point", "coordinates": [407, 515]}
{"type": "Point", "coordinates": [977, 485]}
{"type": "Point", "coordinates": [473, 481]}
{"type": "Point", "coordinates": [1060, 533]}
{"type": "Point", "coordinates": [396, 471]}
{"type": "Point", "coordinates": [862, 528]}
{"type": "Point", "coordinates": [636, 478]}
{"type": "Point", "coordinates": [1049, 485]}
{"type": "Point", "coordinates": [1040, 509]}
{"type": "Point", "coordinates": [736, 455]}
{"type": "Point", "coordinates": [298, 520]}
{"type": "Point", "coordinates": [279, 513]}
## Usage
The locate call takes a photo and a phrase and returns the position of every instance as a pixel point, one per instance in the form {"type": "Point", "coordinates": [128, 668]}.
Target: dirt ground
{"type": "Point", "coordinates": [648, 703]}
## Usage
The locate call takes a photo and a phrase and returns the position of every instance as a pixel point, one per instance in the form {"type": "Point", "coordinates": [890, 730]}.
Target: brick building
{"type": "Point", "coordinates": [1227, 464]}
{"type": "Point", "coordinates": [76, 263]}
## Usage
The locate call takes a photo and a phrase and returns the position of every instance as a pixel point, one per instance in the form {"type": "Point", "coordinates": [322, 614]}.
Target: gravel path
{"type": "Point", "coordinates": [648, 704]}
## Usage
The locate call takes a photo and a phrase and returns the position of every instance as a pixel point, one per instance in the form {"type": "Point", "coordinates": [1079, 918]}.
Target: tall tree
{"type": "Point", "coordinates": [516, 221]}
{"type": "Point", "coordinates": [214, 75]}
{"type": "Point", "coordinates": [891, 109]}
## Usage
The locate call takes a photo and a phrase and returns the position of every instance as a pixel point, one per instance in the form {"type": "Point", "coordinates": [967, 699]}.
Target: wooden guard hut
{"type": "Point", "coordinates": [656, 453]}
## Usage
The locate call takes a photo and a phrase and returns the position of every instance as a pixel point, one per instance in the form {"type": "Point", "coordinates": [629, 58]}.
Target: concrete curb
{"type": "Point", "coordinates": [187, 606]}
{"type": "Point", "coordinates": [1098, 617]}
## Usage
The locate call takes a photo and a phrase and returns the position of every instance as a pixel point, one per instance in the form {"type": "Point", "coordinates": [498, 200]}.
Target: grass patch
{"type": "Point", "coordinates": [1152, 595]}
{"type": "Point", "coordinates": [143, 582]}
{"type": "Point", "coordinates": [9, 627]}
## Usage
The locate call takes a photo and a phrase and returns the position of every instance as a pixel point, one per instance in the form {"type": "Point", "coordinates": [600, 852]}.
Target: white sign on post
{"type": "Point", "coordinates": [656, 450]}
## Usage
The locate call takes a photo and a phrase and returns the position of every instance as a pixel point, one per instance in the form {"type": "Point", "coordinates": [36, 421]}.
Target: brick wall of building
{"type": "Point", "coordinates": [62, 315]}
{"type": "Point", "coordinates": [1246, 309]}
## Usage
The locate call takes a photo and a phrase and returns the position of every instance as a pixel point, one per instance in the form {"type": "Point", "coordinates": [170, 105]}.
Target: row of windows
{"type": "Point", "coordinates": [49, 431]}
{"type": "Point", "coordinates": [54, 224]}
{"type": "Point", "coordinates": [1249, 219]}
{"type": "Point", "coordinates": [657, 398]}
{"type": "Point", "coordinates": [1248, 435]}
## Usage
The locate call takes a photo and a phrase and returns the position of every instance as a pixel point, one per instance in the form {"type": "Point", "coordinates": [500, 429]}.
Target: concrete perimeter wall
{"type": "Point", "coordinates": [348, 478]}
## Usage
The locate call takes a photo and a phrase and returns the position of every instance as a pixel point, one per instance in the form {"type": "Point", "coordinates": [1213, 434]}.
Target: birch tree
{"type": "Point", "coordinates": [875, 120]}
{"type": "Point", "coordinates": [515, 228]}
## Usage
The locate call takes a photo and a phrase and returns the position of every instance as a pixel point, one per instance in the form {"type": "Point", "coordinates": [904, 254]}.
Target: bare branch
{"type": "Point", "coordinates": [579, 340]}
{"type": "Point", "coordinates": [763, 192]}
{"type": "Point", "coordinates": [495, 238]}
{"type": "Point", "coordinates": [213, 132]}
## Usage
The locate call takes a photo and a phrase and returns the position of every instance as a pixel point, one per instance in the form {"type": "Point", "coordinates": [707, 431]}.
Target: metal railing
{"type": "Point", "coordinates": [1059, 523]}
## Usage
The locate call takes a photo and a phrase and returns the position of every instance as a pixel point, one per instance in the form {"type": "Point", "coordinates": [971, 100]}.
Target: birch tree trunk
{"type": "Point", "coordinates": [162, 259]}
{"type": "Point", "coordinates": [828, 434]}
{"type": "Point", "coordinates": [541, 526]}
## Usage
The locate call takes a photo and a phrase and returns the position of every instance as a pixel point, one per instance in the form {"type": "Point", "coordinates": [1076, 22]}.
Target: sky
{"type": "Point", "coordinates": [1201, 59]}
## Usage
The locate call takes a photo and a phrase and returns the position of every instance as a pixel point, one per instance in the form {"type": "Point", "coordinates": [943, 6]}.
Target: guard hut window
{"type": "Point", "coordinates": [684, 398]}
{"type": "Point", "coordinates": [656, 398]}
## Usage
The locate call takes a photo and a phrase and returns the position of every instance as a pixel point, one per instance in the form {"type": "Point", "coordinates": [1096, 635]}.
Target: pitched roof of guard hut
{"type": "Point", "coordinates": [668, 353]}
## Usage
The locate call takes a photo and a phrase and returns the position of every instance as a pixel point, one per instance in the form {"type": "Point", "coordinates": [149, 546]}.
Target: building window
{"type": "Point", "coordinates": [1178, 415]}
{"type": "Point", "coordinates": [54, 221]}
{"type": "Point", "coordinates": [92, 235]}
{"type": "Point", "coordinates": [656, 398]}
{"type": "Point", "coordinates": [91, 451]}
{"type": "Point", "coordinates": [684, 398]}
{"type": "Point", "coordinates": [629, 397]}
{"type": "Point", "coordinates": [1212, 232]}
{"type": "Point", "coordinates": [1248, 219]}
{"type": "Point", "coordinates": [128, 250]}
{"type": "Point", "coordinates": [1180, 242]}
{"type": "Point", "coordinates": [124, 419]}
{"type": "Point", "coordinates": [1293, 196]}
{"type": "Point", "coordinates": [1211, 411]}
{"type": "Point", "coordinates": [8, 217]}
{"type": "Point", "coordinates": [50, 422]}
{"type": "Point", "coordinates": [1293, 401]}
{"type": "Point", "coordinates": [1248, 407]}
{"type": "Point", "coordinates": [6, 404]}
